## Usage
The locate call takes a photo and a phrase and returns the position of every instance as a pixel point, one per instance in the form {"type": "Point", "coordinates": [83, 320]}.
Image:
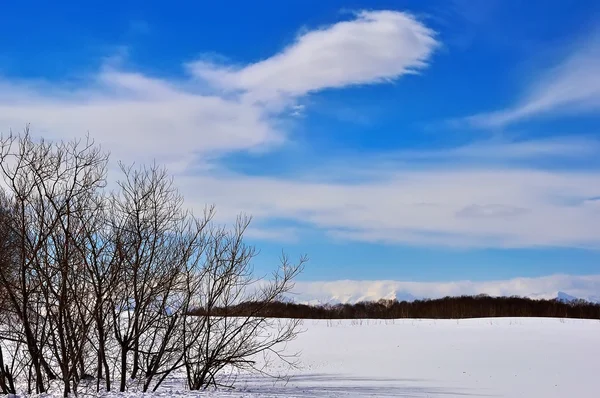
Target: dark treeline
{"type": "Point", "coordinates": [445, 308]}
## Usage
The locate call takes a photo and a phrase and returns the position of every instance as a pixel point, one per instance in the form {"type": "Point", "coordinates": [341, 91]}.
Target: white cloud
{"type": "Point", "coordinates": [374, 47]}
{"type": "Point", "coordinates": [489, 151]}
{"type": "Point", "coordinates": [273, 234]}
{"type": "Point", "coordinates": [572, 85]}
{"type": "Point", "coordinates": [140, 118]}
{"type": "Point", "coordinates": [351, 291]}
{"type": "Point", "coordinates": [559, 147]}
{"type": "Point", "coordinates": [440, 206]}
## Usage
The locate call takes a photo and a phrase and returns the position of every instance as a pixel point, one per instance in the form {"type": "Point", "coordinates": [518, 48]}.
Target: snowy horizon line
{"type": "Point", "coordinates": [561, 286]}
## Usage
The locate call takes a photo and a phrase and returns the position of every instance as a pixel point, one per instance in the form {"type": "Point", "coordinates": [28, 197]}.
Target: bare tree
{"type": "Point", "coordinates": [28, 225]}
{"type": "Point", "coordinates": [50, 187]}
{"type": "Point", "coordinates": [163, 351]}
{"type": "Point", "coordinates": [8, 256]}
{"type": "Point", "coordinates": [148, 220]}
{"type": "Point", "coordinates": [227, 341]}
{"type": "Point", "coordinates": [102, 273]}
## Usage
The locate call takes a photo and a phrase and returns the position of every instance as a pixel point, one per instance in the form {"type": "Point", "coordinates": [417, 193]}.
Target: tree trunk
{"type": "Point", "coordinates": [136, 344]}
{"type": "Point", "coordinates": [124, 351]}
{"type": "Point", "coordinates": [35, 359]}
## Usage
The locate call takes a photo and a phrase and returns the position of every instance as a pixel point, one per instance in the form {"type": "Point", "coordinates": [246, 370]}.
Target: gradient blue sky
{"type": "Point", "coordinates": [404, 140]}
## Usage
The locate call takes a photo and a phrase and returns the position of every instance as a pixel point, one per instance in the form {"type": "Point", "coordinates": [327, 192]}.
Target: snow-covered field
{"type": "Point", "coordinates": [508, 357]}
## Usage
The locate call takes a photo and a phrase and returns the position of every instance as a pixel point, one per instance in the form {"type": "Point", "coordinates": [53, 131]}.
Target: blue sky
{"type": "Point", "coordinates": [398, 140]}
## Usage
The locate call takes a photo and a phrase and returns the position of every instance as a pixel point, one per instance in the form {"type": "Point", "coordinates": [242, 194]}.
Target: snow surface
{"type": "Point", "coordinates": [499, 357]}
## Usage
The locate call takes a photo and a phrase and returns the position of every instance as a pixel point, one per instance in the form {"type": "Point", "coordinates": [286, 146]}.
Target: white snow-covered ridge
{"type": "Point", "coordinates": [563, 287]}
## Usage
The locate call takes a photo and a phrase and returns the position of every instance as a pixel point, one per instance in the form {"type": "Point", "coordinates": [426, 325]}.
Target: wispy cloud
{"type": "Point", "coordinates": [557, 147]}
{"type": "Point", "coordinates": [139, 117]}
{"type": "Point", "coordinates": [273, 234]}
{"type": "Point", "coordinates": [568, 87]}
{"type": "Point", "coordinates": [465, 207]}
{"type": "Point", "coordinates": [375, 47]}
{"type": "Point", "coordinates": [351, 291]}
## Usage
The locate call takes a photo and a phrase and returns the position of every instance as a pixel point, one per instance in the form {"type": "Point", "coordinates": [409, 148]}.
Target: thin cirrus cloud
{"type": "Point", "coordinates": [571, 86]}
{"type": "Point", "coordinates": [352, 291]}
{"type": "Point", "coordinates": [490, 151]}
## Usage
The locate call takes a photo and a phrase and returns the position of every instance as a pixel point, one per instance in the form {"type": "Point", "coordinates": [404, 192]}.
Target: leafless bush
{"type": "Point", "coordinates": [45, 202]}
{"type": "Point", "coordinates": [216, 341]}
{"type": "Point", "coordinates": [101, 285]}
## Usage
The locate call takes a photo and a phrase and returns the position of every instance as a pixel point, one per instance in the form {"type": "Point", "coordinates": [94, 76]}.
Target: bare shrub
{"type": "Point", "coordinates": [103, 285]}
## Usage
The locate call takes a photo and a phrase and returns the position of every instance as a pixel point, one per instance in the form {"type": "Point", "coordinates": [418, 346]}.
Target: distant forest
{"type": "Point", "coordinates": [481, 306]}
